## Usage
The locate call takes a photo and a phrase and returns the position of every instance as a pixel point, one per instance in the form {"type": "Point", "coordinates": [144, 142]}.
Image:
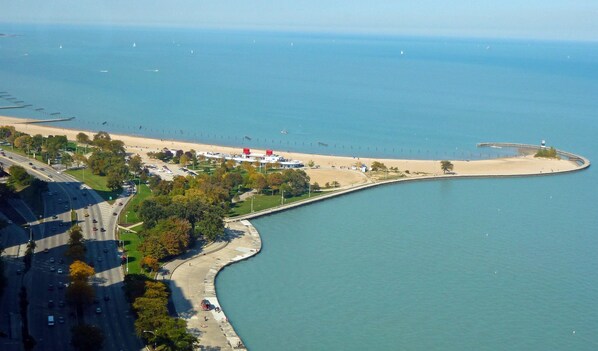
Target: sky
{"type": "Point", "coordinates": [538, 19]}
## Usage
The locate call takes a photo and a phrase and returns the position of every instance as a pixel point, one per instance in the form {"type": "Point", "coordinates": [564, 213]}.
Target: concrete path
{"type": "Point", "coordinates": [192, 279]}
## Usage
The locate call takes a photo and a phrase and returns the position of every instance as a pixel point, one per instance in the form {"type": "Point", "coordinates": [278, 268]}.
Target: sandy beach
{"type": "Point", "coordinates": [330, 168]}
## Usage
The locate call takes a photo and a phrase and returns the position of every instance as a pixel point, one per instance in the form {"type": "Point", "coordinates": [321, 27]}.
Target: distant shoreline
{"type": "Point", "coordinates": [328, 168]}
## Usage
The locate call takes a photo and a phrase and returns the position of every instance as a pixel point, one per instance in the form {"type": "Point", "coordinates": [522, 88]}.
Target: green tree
{"type": "Point", "coordinates": [85, 337]}
{"type": "Point", "coordinates": [378, 166]}
{"type": "Point", "coordinates": [24, 142]}
{"type": "Point", "coordinates": [257, 181]}
{"type": "Point", "coordinates": [101, 135]}
{"type": "Point", "coordinates": [79, 159]}
{"type": "Point", "coordinates": [211, 225]}
{"type": "Point", "coordinates": [114, 180]}
{"type": "Point", "coordinates": [19, 176]}
{"type": "Point", "coordinates": [172, 335]}
{"type": "Point", "coordinates": [446, 166]}
{"type": "Point", "coordinates": [66, 159]}
{"type": "Point", "coordinates": [135, 164]}
{"type": "Point", "coordinates": [184, 160]}
{"type": "Point", "coordinates": [297, 182]}
{"type": "Point", "coordinates": [83, 138]}
{"type": "Point", "coordinates": [542, 152]}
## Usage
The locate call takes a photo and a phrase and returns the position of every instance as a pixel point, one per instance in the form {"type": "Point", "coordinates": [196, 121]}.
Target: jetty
{"type": "Point", "coordinates": [38, 121]}
{"type": "Point", "coordinates": [11, 107]}
{"type": "Point", "coordinates": [580, 160]}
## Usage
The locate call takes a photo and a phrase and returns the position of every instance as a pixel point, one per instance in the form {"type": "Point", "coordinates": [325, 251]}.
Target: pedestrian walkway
{"type": "Point", "coordinates": [192, 280]}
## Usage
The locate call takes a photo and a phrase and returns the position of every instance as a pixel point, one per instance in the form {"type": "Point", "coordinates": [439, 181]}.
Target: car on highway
{"type": "Point", "coordinates": [50, 320]}
{"type": "Point", "coordinates": [102, 230]}
{"type": "Point", "coordinates": [60, 271]}
{"type": "Point", "coordinates": [95, 220]}
{"type": "Point", "coordinates": [52, 260]}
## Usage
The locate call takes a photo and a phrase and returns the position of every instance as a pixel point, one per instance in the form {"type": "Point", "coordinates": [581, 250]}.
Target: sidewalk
{"type": "Point", "coordinates": [192, 279]}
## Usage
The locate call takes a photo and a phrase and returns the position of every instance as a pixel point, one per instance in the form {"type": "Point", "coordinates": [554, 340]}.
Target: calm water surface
{"type": "Point", "coordinates": [448, 265]}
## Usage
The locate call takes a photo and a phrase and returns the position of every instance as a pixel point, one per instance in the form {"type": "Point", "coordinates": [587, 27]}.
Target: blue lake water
{"type": "Point", "coordinates": [446, 265]}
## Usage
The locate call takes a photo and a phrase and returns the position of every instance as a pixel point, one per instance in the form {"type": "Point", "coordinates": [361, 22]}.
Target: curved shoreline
{"type": "Point", "coordinates": [246, 241]}
{"type": "Point", "coordinates": [210, 278]}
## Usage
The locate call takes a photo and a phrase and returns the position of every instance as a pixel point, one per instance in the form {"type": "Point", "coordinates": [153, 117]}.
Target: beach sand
{"type": "Point", "coordinates": [330, 168]}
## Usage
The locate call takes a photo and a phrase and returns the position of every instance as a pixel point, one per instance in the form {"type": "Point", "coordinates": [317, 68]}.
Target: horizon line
{"type": "Point", "coordinates": [319, 30]}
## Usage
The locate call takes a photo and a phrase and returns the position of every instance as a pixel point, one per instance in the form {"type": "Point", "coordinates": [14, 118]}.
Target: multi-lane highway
{"type": "Point", "coordinates": [46, 280]}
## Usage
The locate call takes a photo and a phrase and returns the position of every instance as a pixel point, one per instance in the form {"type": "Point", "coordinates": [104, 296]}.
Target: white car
{"type": "Point", "coordinates": [60, 271]}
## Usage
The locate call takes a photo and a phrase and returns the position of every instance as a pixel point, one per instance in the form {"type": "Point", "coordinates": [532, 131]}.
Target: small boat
{"type": "Point", "coordinates": [322, 144]}
{"type": "Point", "coordinates": [284, 131]}
{"type": "Point", "coordinates": [247, 137]}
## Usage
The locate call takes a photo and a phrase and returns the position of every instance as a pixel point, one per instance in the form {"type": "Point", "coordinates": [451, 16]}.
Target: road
{"type": "Point", "coordinates": [50, 232]}
{"type": "Point", "coordinates": [12, 238]}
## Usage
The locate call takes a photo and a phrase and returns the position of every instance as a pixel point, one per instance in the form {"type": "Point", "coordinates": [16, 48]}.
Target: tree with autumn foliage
{"type": "Point", "coordinates": [79, 291]}
{"type": "Point", "coordinates": [80, 271]}
{"type": "Point", "coordinates": [150, 263]}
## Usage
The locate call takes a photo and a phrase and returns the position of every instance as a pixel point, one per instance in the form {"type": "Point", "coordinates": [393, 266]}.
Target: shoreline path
{"type": "Point", "coordinates": [192, 277]}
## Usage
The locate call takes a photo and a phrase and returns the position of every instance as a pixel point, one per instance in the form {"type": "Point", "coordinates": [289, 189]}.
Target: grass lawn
{"type": "Point", "coordinates": [96, 182]}
{"type": "Point", "coordinates": [128, 215]}
{"type": "Point", "coordinates": [132, 241]}
{"type": "Point", "coordinates": [262, 202]}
